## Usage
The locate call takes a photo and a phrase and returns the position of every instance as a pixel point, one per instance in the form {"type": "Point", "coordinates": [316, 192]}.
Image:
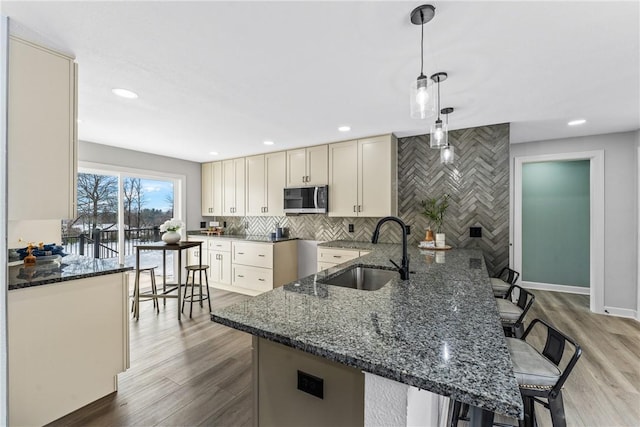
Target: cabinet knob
{"type": "Point", "coordinates": [261, 280]}
{"type": "Point", "coordinates": [354, 208]}
{"type": "Point", "coordinates": [240, 253]}
{"type": "Point", "coordinates": [261, 255]}
{"type": "Point", "coordinates": [240, 275]}
{"type": "Point", "coordinates": [337, 256]}
{"type": "Point", "coordinates": [359, 208]}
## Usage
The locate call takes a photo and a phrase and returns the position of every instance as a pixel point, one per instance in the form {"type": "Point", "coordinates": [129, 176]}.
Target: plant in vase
{"type": "Point", "coordinates": [434, 209]}
{"type": "Point", "coordinates": [170, 229]}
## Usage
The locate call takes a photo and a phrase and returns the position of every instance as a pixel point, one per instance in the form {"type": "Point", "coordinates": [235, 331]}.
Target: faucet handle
{"type": "Point", "coordinates": [394, 263]}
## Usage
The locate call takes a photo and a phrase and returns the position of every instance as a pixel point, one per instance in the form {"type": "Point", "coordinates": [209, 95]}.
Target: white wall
{"type": "Point", "coordinates": [108, 155]}
{"type": "Point", "coordinates": [621, 200]}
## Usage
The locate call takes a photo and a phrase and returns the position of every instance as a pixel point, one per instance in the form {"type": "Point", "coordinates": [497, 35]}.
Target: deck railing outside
{"type": "Point", "coordinates": [104, 243]}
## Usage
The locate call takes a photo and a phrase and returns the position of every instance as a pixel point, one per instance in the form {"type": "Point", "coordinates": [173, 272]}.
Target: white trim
{"type": "Point", "coordinates": [597, 241]}
{"type": "Point", "coordinates": [4, 104]}
{"type": "Point", "coordinates": [556, 288]}
{"type": "Point", "coordinates": [620, 312]}
{"type": "Point", "coordinates": [638, 231]}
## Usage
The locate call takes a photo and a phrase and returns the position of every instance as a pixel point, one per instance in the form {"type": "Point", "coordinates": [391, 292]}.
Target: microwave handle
{"type": "Point", "coordinates": [315, 197]}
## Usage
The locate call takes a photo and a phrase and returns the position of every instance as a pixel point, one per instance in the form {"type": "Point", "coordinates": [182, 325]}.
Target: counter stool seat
{"type": "Point", "coordinates": [531, 368]}
{"type": "Point", "coordinates": [502, 283]}
{"type": "Point", "coordinates": [512, 314]}
{"type": "Point", "coordinates": [200, 297]}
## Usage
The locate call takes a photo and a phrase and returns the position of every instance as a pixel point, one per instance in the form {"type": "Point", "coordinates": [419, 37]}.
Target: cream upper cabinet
{"type": "Point", "coordinates": [233, 177]}
{"type": "Point", "coordinates": [363, 177]}
{"type": "Point", "coordinates": [275, 179]}
{"type": "Point", "coordinates": [307, 166]}
{"type": "Point", "coordinates": [42, 140]}
{"type": "Point", "coordinates": [206, 171]}
{"type": "Point", "coordinates": [212, 188]}
{"type": "Point", "coordinates": [266, 176]}
{"type": "Point", "coordinates": [343, 179]}
{"type": "Point", "coordinates": [255, 185]}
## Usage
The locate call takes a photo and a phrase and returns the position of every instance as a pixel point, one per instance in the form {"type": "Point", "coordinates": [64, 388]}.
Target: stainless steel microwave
{"type": "Point", "coordinates": [306, 199]}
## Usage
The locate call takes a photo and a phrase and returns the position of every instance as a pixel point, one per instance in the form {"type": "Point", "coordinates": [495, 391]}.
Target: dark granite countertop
{"type": "Point", "coordinates": [248, 238]}
{"type": "Point", "coordinates": [70, 267]}
{"type": "Point", "coordinates": [439, 331]}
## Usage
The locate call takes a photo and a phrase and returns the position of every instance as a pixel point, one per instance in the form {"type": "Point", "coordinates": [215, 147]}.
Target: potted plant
{"type": "Point", "coordinates": [434, 209]}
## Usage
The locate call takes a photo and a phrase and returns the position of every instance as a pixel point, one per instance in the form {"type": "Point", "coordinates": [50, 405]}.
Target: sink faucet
{"type": "Point", "coordinates": [404, 269]}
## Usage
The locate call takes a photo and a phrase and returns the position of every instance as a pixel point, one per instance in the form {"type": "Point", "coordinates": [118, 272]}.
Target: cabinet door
{"type": "Point", "coordinates": [276, 177]}
{"type": "Point", "coordinates": [239, 170]}
{"type": "Point", "coordinates": [207, 189]}
{"type": "Point", "coordinates": [318, 165]}
{"type": "Point", "coordinates": [217, 188]}
{"type": "Point", "coordinates": [41, 166]}
{"type": "Point", "coordinates": [220, 263]}
{"type": "Point", "coordinates": [255, 185]}
{"type": "Point", "coordinates": [374, 178]}
{"type": "Point", "coordinates": [343, 179]}
{"type": "Point", "coordinates": [296, 167]}
{"type": "Point", "coordinates": [229, 187]}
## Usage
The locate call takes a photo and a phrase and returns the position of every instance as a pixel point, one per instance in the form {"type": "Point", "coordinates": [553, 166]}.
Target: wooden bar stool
{"type": "Point", "coordinates": [193, 269]}
{"type": "Point", "coordinates": [154, 290]}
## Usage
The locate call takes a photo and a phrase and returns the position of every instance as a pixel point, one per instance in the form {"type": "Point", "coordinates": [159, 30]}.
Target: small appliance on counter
{"type": "Point", "coordinates": [213, 229]}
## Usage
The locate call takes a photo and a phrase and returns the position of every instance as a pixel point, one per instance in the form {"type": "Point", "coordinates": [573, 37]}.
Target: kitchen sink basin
{"type": "Point", "coordinates": [364, 278]}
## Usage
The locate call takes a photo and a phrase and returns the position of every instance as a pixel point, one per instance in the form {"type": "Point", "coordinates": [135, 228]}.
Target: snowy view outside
{"type": "Point", "coordinates": [147, 204]}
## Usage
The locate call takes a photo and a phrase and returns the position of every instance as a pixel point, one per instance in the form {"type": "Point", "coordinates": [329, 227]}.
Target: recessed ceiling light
{"type": "Point", "coordinates": [344, 128]}
{"type": "Point", "coordinates": [125, 93]}
{"type": "Point", "coordinates": [268, 142]}
{"type": "Point", "coordinates": [577, 122]}
{"type": "Point", "coordinates": [213, 153]}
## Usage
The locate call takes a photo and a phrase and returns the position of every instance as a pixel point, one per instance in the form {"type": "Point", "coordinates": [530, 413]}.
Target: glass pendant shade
{"type": "Point", "coordinates": [421, 98]}
{"type": "Point", "coordinates": [447, 154]}
{"type": "Point", "coordinates": [439, 134]}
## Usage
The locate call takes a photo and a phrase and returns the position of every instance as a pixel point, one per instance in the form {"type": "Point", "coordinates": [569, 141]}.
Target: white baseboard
{"type": "Point", "coordinates": [621, 312]}
{"type": "Point", "coordinates": [556, 288]}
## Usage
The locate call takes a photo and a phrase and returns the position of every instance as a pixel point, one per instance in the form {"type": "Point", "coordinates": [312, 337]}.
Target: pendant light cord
{"type": "Point", "coordinates": [422, 44]}
{"type": "Point", "coordinates": [438, 98]}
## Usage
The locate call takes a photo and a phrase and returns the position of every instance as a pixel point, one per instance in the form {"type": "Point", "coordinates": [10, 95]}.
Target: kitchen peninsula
{"type": "Point", "coordinates": [438, 331]}
{"type": "Point", "coordinates": [68, 335]}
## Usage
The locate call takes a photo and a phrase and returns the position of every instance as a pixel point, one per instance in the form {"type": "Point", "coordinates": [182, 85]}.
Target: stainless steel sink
{"type": "Point", "coordinates": [364, 278]}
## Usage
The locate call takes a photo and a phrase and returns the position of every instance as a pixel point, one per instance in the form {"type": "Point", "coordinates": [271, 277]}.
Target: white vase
{"type": "Point", "coordinates": [171, 237]}
{"type": "Point", "coordinates": [440, 242]}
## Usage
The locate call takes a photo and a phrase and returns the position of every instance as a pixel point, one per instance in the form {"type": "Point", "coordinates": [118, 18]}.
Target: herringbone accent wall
{"type": "Point", "coordinates": [478, 183]}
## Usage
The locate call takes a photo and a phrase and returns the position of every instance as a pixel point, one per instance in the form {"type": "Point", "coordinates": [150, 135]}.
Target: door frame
{"type": "Point", "coordinates": [596, 223]}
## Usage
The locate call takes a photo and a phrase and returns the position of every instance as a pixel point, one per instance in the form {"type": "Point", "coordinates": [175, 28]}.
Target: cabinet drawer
{"type": "Point", "coordinates": [222, 245]}
{"type": "Point", "coordinates": [253, 254]}
{"type": "Point", "coordinates": [255, 278]}
{"type": "Point", "coordinates": [324, 265]}
{"type": "Point", "coordinates": [336, 256]}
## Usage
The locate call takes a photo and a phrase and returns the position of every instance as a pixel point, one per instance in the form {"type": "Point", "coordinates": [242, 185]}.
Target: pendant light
{"type": "Point", "coordinates": [447, 154]}
{"type": "Point", "coordinates": [438, 129]}
{"type": "Point", "coordinates": [421, 100]}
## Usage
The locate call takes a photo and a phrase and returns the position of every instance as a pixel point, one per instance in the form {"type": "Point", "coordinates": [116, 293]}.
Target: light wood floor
{"type": "Point", "coordinates": [199, 372]}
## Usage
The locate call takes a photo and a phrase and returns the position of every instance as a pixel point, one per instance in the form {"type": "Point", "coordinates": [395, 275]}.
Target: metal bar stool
{"type": "Point", "coordinates": [154, 290]}
{"type": "Point", "coordinates": [512, 313]}
{"type": "Point", "coordinates": [200, 296]}
{"type": "Point", "coordinates": [503, 282]}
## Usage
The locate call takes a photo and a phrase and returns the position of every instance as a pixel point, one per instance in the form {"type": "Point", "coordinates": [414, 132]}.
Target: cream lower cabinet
{"type": "Point", "coordinates": [260, 267]}
{"type": "Point", "coordinates": [330, 257]}
{"type": "Point", "coordinates": [363, 177]}
{"type": "Point", "coordinates": [266, 179]}
{"type": "Point", "coordinates": [41, 129]}
{"type": "Point", "coordinates": [219, 262]}
{"type": "Point", "coordinates": [66, 344]}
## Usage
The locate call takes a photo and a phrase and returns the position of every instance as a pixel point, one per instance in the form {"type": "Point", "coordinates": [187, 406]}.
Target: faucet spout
{"type": "Point", "coordinates": [404, 268]}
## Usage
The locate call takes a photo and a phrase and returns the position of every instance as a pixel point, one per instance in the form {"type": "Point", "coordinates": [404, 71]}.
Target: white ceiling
{"type": "Point", "coordinates": [225, 76]}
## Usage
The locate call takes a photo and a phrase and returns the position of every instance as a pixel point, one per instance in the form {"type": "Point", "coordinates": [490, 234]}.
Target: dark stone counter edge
{"type": "Point", "coordinates": [67, 278]}
{"type": "Point", "coordinates": [502, 407]}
